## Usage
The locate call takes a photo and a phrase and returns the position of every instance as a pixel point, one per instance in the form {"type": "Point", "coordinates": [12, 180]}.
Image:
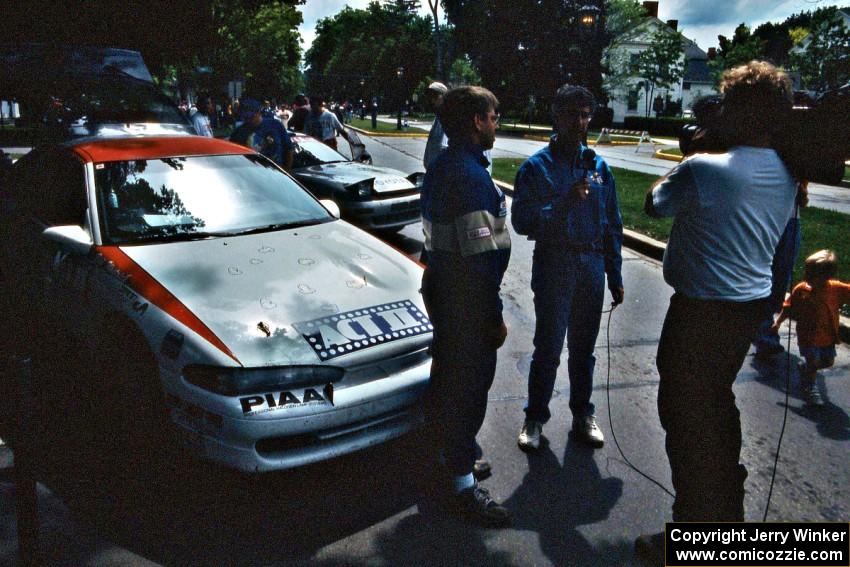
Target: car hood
{"type": "Point", "coordinates": [324, 293]}
{"type": "Point", "coordinates": [348, 173]}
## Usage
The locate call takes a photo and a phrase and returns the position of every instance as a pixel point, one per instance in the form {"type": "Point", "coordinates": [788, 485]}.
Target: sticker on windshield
{"type": "Point", "coordinates": [344, 333]}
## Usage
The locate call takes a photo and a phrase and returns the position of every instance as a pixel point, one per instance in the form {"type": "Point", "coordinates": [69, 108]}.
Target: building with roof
{"type": "Point", "coordinates": [627, 97]}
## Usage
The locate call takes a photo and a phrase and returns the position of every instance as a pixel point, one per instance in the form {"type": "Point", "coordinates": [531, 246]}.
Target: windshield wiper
{"type": "Point", "coordinates": [275, 226]}
{"type": "Point", "coordinates": [180, 236]}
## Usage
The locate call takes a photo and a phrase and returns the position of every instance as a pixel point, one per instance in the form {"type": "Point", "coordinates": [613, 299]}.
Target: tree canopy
{"type": "Point", "coordinates": [382, 51]}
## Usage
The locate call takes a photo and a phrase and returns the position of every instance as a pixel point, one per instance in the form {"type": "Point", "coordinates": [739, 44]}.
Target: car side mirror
{"type": "Point", "coordinates": [331, 206]}
{"type": "Point", "coordinates": [71, 238]}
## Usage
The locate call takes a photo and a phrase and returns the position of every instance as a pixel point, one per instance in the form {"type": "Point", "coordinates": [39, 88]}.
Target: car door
{"type": "Point", "coordinates": [49, 191]}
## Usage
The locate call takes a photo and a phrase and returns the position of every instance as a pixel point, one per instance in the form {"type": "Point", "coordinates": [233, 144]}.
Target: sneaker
{"type": "Point", "coordinates": [476, 505]}
{"type": "Point", "coordinates": [812, 396]}
{"type": "Point", "coordinates": [482, 470]}
{"type": "Point", "coordinates": [585, 430]}
{"type": "Point", "coordinates": [649, 549]}
{"type": "Point", "coordinates": [529, 435]}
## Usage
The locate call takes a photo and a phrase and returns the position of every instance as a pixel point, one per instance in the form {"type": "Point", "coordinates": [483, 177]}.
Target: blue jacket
{"type": "Point", "coordinates": [467, 242]}
{"type": "Point", "coordinates": [272, 139]}
{"type": "Point", "coordinates": [545, 210]}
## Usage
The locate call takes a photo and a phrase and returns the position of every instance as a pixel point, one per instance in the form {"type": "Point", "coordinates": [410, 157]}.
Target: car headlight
{"type": "Point", "coordinates": [362, 190]}
{"type": "Point", "coordinates": [240, 381]}
{"type": "Point", "coordinates": [417, 179]}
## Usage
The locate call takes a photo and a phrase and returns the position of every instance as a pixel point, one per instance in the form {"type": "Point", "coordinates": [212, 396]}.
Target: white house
{"type": "Point", "coordinates": [627, 97]}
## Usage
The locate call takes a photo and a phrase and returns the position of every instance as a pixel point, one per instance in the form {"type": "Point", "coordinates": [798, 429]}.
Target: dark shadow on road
{"type": "Point", "coordinates": [196, 514]}
{"type": "Point", "coordinates": [554, 500]}
{"type": "Point", "coordinates": [830, 420]}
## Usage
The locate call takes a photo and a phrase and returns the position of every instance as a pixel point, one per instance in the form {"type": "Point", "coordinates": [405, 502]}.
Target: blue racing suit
{"type": "Point", "coordinates": [468, 247]}
{"type": "Point", "coordinates": [578, 242]}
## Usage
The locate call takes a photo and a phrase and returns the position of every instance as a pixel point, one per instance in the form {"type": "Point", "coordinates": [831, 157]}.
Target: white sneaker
{"type": "Point", "coordinates": [529, 435]}
{"type": "Point", "coordinates": [586, 430]}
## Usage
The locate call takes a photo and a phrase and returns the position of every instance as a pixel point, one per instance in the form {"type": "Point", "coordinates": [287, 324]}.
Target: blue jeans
{"type": "Point", "coordinates": [569, 288]}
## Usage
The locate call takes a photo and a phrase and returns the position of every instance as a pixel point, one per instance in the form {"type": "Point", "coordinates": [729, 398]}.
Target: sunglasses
{"type": "Point", "coordinates": [583, 114]}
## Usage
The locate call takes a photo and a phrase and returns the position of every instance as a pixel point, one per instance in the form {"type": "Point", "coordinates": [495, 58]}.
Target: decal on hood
{"type": "Point", "coordinates": [344, 333]}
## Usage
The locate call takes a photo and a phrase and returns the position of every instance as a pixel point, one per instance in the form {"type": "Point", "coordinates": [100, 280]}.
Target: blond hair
{"type": "Point", "coordinates": [823, 264]}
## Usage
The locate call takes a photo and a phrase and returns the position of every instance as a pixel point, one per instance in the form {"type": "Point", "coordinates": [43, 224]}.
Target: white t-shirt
{"type": "Point", "coordinates": [324, 127]}
{"type": "Point", "coordinates": [201, 122]}
{"type": "Point", "coordinates": [730, 210]}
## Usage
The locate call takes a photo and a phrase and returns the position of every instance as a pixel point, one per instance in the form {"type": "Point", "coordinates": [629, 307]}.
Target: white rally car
{"type": "Point", "coordinates": [187, 287]}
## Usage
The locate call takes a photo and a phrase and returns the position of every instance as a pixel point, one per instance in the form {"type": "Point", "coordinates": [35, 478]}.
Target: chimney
{"type": "Point", "coordinates": [674, 24]}
{"type": "Point", "coordinates": [651, 9]}
{"type": "Point", "coordinates": [712, 53]}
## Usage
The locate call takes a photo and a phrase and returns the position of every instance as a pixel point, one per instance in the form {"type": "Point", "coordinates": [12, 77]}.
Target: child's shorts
{"type": "Point", "coordinates": [819, 354]}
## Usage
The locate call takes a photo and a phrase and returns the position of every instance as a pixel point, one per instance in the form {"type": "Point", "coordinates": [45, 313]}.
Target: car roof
{"type": "Point", "coordinates": [97, 150]}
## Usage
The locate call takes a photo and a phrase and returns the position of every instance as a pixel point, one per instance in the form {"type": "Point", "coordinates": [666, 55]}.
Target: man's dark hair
{"type": "Point", "coordinates": [756, 99]}
{"type": "Point", "coordinates": [571, 97]}
{"type": "Point", "coordinates": [300, 99]}
{"type": "Point", "coordinates": [459, 108]}
{"type": "Point", "coordinates": [202, 102]}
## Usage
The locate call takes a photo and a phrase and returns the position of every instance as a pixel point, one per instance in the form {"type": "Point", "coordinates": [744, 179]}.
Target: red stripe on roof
{"type": "Point", "coordinates": [145, 285]}
{"type": "Point", "coordinates": [153, 147]}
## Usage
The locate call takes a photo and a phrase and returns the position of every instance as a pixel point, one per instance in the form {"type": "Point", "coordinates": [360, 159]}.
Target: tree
{"type": "Point", "coordinates": [823, 56]}
{"type": "Point", "coordinates": [226, 38]}
{"type": "Point", "coordinates": [524, 48]}
{"type": "Point", "coordinates": [434, 5]}
{"type": "Point", "coordinates": [370, 45]}
{"type": "Point", "coordinates": [661, 64]}
{"type": "Point", "coordinates": [260, 42]}
{"type": "Point", "coordinates": [742, 48]}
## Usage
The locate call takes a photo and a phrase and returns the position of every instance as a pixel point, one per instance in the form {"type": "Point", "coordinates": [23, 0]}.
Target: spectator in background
{"type": "Point", "coordinates": [437, 139]}
{"type": "Point", "coordinates": [201, 118]}
{"type": "Point", "coordinates": [323, 124]}
{"type": "Point", "coordinates": [299, 113]}
{"type": "Point", "coordinates": [264, 134]}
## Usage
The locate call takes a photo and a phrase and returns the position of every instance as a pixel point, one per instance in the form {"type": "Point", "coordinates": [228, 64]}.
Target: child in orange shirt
{"type": "Point", "coordinates": [814, 303]}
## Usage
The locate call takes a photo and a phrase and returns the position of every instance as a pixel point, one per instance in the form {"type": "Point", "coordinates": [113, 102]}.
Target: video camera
{"type": "Point", "coordinates": [813, 140]}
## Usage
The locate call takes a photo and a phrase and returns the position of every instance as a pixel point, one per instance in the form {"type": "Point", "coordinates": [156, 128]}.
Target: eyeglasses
{"type": "Point", "coordinates": [494, 118]}
{"type": "Point", "coordinates": [583, 114]}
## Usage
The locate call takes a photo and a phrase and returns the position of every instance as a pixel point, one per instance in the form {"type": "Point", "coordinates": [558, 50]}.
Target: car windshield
{"type": "Point", "coordinates": [310, 152]}
{"type": "Point", "coordinates": [185, 198]}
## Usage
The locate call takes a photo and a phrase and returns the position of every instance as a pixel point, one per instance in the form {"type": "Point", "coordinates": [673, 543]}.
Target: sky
{"type": "Point", "coordinates": [699, 20]}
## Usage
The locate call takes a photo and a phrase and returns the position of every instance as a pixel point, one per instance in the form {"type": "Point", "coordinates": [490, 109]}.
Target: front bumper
{"type": "Point", "coordinates": [364, 413]}
{"type": "Point", "coordinates": [383, 213]}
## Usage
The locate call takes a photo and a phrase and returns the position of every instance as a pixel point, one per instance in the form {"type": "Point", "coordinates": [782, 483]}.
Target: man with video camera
{"type": "Point", "coordinates": [729, 209]}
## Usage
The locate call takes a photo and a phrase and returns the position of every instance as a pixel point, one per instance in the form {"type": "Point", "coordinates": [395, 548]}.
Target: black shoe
{"type": "Point", "coordinates": [475, 505]}
{"type": "Point", "coordinates": [482, 470]}
{"type": "Point", "coordinates": [649, 549]}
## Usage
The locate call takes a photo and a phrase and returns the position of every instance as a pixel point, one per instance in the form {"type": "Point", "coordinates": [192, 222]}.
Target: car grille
{"type": "Point", "coordinates": [395, 195]}
{"type": "Point", "coordinates": [276, 445]}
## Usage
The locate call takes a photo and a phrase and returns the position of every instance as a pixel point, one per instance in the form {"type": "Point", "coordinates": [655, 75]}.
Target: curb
{"type": "Point", "coordinates": [655, 249]}
{"type": "Point", "coordinates": [388, 134]}
{"type": "Point", "coordinates": [668, 157]}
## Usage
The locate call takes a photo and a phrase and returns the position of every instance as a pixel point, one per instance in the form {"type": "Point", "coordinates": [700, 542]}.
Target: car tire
{"type": "Point", "coordinates": [135, 432]}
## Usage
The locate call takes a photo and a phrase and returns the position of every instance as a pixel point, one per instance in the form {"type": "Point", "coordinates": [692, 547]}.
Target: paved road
{"type": "Point", "coordinates": [571, 506]}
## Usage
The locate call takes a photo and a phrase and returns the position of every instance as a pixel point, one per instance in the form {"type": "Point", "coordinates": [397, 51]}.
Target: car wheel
{"type": "Point", "coordinates": [135, 435]}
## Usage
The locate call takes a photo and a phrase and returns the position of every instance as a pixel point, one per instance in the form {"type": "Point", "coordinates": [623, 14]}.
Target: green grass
{"type": "Point", "coordinates": [383, 127]}
{"type": "Point", "coordinates": [821, 228]}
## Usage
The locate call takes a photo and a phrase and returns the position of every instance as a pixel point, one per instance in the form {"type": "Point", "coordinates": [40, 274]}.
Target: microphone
{"type": "Point", "coordinates": [588, 159]}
